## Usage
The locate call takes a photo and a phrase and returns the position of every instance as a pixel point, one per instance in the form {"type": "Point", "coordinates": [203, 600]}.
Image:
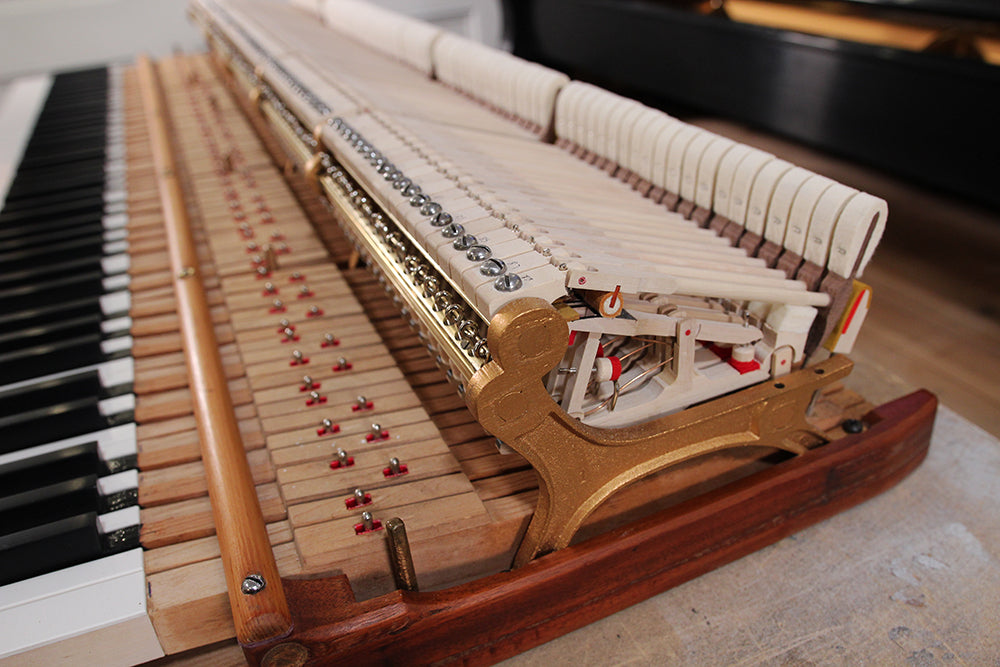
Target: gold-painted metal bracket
{"type": "Point", "coordinates": [580, 466]}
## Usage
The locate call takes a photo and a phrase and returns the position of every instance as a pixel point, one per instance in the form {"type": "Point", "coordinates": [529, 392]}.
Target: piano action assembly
{"type": "Point", "coordinates": [618, 365]}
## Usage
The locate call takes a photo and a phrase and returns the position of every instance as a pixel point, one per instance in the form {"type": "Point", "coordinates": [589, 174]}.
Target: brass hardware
{"type": "Point", "coordinates": [399, 555]}
{"type": "Point", "coordinates": [528, 338]}
{"type": "Point", "coordinates": [289, 654]}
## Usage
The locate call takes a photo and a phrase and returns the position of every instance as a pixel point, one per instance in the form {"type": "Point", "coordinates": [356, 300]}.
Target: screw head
{"type": "Point", "coordinates": [853, 426]}
{"type": "Point", "coordinates": [509, 282]}
{"type": "Point", "coordinates": [253, 584]}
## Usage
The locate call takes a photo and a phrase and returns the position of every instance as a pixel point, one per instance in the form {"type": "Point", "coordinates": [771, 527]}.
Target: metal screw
{"type": "Point", "coordinates": [442, 219]}
{"type": "Point", "coordinates": [478, 253]}
{"type": "Point", "coordinates": [492, 267]}
{"type": "Point", "coordinates": [853, 426]}
{"type": "Point", "coordinates": [508, 282]}
{"type": "Point", "coordinates": [253, 584]}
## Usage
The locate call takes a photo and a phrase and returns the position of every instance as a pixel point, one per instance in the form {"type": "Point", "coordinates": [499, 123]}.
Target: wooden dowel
{"type": "Point", "coordinates": [260, 610]}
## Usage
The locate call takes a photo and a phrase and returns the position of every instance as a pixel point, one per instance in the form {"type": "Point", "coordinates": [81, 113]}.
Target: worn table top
{"type": "Point", "coordinates": [911, 577]}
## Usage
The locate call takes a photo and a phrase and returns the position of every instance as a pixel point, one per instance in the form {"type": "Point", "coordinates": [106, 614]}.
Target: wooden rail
{"type": "Point", "coordinates": [260, 609]}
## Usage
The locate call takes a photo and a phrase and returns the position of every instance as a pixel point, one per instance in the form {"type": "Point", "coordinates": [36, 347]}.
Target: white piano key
{"type": "Point", "coordinates": [117, 372]}
{"type": "Point", "coordinates": [116, 345]}
{"type": "Point", "coordinates": [115, 264]}
{"type": "Point", "coordinates": [82, 610]}
{"type": "Point", "coordinates": [116, 282]}
{"type": "Point", "coordinates": [115, 221]}
{"type": "Point", "coordinates": [116, 405]}
{"type": "Point", "coordinates": [111, 484]}
{"type": "Point", "coordinates": [115, 247]}
{"type": "Point", "coordinates": [115, 236]}
{"type": "Point", "coordinates": [115, 303]}
{"type": "Point", "coordinates": [115, 207]}
{"type": "Point", "coordinates": [116, 325]}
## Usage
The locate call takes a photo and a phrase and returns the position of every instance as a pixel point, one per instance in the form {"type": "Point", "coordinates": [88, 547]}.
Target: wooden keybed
{"type": "Point", "coordinates": [464, 504]}
{"type": "Point", "coordinates": [176, 516]}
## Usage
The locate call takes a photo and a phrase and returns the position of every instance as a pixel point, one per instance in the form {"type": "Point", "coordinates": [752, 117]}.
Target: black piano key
{"type": "Point", "coordinates": [40, 236]}
{"type": "Point", "coordinates": [29, 480]}
{"type": "Point", "coordinates": [48, 548]}
{"type": "Point", "coordinates": [69, 180]}
{"type": "Point", "coordinates": [52, 279]}
{"type": "Point", "coordinates": [60, 200]}
{"type": "Point", "coordinates": [71, 542]}
{"type": "Point", "coordinates": [50, 332]}
{"type": "Point", "coordinates": [54, 357]}
{"type": "Point", "coordinates": [37, 257]}
{"type": "Point", "coordinates": [60, 271]}
{"type": "Point", "coordinates": [51, 209]}
{"type": "Point", "coordinates": [63, 500]}
{"type": "Point", "coordinates": [58, 490]}
{"type": "Point", "coordinates": [53, 410]}
{"type": "Point", "coordinates": [40, 305]}
{"type": "Point", "coordinates": [48, 226]}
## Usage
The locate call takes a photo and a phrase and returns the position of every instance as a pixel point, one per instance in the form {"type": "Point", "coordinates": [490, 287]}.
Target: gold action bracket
{"type": "Point", "coordinates": [580, 466]}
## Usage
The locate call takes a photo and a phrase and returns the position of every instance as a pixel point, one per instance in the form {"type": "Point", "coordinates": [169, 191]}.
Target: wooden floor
{"type": "Point", "coordinates": [935, 319]}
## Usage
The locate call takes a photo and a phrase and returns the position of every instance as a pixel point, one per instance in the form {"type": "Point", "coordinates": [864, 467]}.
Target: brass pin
{"type": "Point", "coordinates": [399, 555]}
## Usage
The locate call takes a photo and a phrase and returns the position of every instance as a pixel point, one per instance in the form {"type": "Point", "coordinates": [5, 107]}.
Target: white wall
{"type": "Point", "coordinates": [481, 20]}
{"type": "Point", "coordinates": [49, 35]}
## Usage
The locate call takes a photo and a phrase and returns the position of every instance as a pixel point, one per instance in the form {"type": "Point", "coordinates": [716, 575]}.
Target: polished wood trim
{"type": "Point", "coordinates": [239, 522]}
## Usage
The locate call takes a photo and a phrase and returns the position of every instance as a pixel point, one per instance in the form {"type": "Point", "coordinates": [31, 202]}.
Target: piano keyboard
{"type": "Point", "coordinates": [68, 505]}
